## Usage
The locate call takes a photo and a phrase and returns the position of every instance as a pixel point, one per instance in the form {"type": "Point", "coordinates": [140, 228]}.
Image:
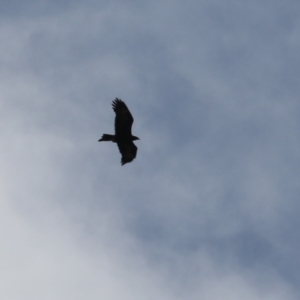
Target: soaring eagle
{"type": "Point", "coordinates": [123, 136]}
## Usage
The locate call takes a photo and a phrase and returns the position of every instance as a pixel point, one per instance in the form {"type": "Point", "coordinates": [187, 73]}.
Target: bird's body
{"type": "Point", "coordinates": [122, 136]}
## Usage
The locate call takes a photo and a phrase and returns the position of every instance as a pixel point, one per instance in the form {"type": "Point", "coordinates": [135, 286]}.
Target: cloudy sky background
{"type": "Point", "coordinates": [210, 207]}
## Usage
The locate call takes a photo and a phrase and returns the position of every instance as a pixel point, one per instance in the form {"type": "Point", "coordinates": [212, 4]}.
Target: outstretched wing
{"type": "Point", "coordinates": [123, 120]}
{"type": "Point", "coordinates": [128, 151]}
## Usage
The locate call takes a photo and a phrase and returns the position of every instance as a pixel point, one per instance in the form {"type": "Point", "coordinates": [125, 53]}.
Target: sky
{"type": "Point", "coordinates": [209, 209]}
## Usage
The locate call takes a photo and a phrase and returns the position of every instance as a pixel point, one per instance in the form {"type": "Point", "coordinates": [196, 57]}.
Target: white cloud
{"type": "Point", "coordinates": [209, 207]}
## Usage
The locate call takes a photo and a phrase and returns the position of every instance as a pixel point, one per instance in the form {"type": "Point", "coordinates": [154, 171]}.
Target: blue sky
{"type": "Point", "coordinates": [209, 209]}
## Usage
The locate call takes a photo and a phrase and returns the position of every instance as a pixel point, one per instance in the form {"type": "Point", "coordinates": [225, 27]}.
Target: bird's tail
{"type": "Point", "coordinates": [107, 137]}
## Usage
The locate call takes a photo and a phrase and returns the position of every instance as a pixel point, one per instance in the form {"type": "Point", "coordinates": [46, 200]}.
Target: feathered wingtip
{"type": "Point", "coordinates": [118, 104]}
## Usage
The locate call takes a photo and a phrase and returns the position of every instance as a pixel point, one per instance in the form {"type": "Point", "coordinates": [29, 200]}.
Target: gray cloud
{"type": "Point", "coordinates": [208, 209]}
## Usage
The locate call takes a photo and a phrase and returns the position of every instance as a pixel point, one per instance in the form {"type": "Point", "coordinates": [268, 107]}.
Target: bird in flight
{"type": "Point", "coordinates": [123, 136]}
